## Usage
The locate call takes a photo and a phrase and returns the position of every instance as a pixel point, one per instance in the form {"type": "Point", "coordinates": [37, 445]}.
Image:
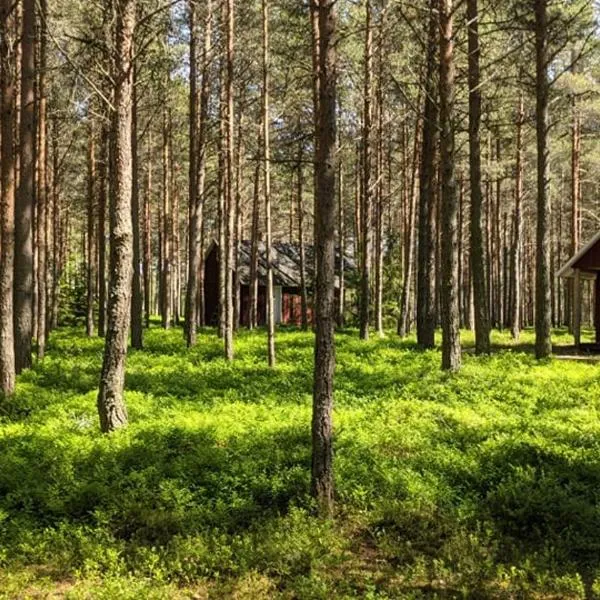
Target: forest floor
{"type": "Point", "coordinates": [484, 484]}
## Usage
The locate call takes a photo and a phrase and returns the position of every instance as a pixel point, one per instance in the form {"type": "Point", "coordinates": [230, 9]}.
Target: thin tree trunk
{"type": "Point", "coordinates": [253, 317]}
{"type": "Point", "coordinates": [449, 242]}
{"type": "Point", "coordinates": [102, 206]}
{"type": "Point", "coordinates": [543, 342]}
{"type": "Point", "coordinates": [303, 286]}
{"type": "Point", "coordinates": [148, 235]}
{"type": "Point", "coordinates": [325, 217]}
{"type": "Point", "coordinates": [111, 405]}
{"type": "Point", "coordinates": [342, 245]}
{"type": "Point", "coordinates": [42, 200]}
{"type": "Point", "coordinates": [229, 217]}
{"type": "Point", "coordinates": [91, 230]}
{"type": "Point", "coordinates": [367, 191]}
{"type": "Point", "coordinates": [516, 268]}
{"type": "Point", "coordinates": [267, 187]}
{"type": "Point", "coordinates": [137, 296]}
{"type": "Point", "coordinates": [166, 275]}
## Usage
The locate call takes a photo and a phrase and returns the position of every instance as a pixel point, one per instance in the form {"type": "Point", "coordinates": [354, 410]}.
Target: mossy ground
{"type": "Point", "coordinates": [481, 484]}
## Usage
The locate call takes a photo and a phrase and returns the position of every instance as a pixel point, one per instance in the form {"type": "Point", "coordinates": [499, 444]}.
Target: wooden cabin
{"type": "Point", "coordinates": [287, 282]}
{"type": "Point", "coordinates": [584, 266]}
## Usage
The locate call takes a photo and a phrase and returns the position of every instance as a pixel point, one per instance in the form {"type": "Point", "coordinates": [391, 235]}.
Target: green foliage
{"type": "Point", "coordinates": [481, 484]}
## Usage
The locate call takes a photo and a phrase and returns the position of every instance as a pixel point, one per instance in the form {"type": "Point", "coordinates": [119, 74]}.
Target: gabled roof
{"type": "Point", "coordinates": [285, 261]}
{"type": "Point", "coordinates": [568, 270]}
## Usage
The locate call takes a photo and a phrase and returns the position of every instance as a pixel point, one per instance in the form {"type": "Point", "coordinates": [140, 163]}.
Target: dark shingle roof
{"type": "Point", "coordinates": [286, 263]}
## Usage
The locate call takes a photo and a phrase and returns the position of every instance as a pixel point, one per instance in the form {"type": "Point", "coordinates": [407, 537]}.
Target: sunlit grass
{"type": "Point", "coordinates": [486, 482]}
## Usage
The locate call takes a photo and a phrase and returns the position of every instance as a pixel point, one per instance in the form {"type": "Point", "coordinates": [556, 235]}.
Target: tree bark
{"type": "Point", "coordinates": [91, 230]}
{"type": "Point", "coordinates": [325, 217]}
{"type": "Point", "coordinates": [267, 187]}
{"type": "Point", "coordinates": [103, 185]}
{"type": "Point", "coordinates": [42, 195]}
{"type": "Point", "coordinates": [426, 312]}
{"type": "Point", "coordinates": [449, 212]}
{"type": "Point", "coordinates": [166, 275]}
{"type": "Point", "coordinates": [482, 320]}
{"type": "Point", "coordinates": [543, 341]}
{"type": "Point", "coordinates": [197, 176]}
{"type": "Point", "coordinates": [367, 191]}
{"type": "Point", "coordinates": [23, 246]}
{"type": "Point", "coordinates": [517, 250]}
{"type": "Point", "coordinates": [7, 199]}
{"type": "Point", "coordinates": [303, 286]}
{"type": "Point", "coordinates": [111, 405]}
{"type": "Point", "coordinates": [148, 236]}
{"type": "Point", "coordinates": [137, 296]}
{"type": "Point", "coordinates": [229, 217]}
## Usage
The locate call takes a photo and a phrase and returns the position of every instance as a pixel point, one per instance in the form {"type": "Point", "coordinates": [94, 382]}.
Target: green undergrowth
{"type": "Point", "coordinates": [484, 484]}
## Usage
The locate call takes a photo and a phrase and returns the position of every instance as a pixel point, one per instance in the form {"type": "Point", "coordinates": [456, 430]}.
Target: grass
{"type": "Point", "coordinates": [484, 484]}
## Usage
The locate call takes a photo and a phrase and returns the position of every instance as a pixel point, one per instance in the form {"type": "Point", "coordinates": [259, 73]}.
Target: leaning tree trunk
{"type": "Point", "coordinates": [426, 312]}
{"type": "Point", "coordinates": [543, 342]}
{"type": "Point", "coordinates": [111, 406]}
{"type": "Point", "coordinates": [449, 242]}
{"type": "Point", "coordinates": [7, 199]}
{"type": "Point", "coordinates": [325, 217]}
{"type": "Point", "coordinates": [482, 320]}
{"type": "Point", "coordinates": [23, 245]}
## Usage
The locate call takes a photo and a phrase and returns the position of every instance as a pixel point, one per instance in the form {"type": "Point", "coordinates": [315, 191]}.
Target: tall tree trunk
{"type": "Point", "coordinates": [229, 217]}
{"type": "Point", "coordinates": [103, 186]}
{"type": "Point", "coordinates": [166, 275]}
{"type": "Point", "coordinates": [426, 313]}
{"type": "Point", "coordinates": [91, 230]}
{"type": "Point", "coordinates": [197, 174]}
{"type": "Point", "coordinates": [147, 240]}
{"type": "Point", "coordinates": [482, 319]}
{"type": "Point", "coordinates": [23, 246]}
{"type": "Point", "coordinates": [7, 199]}
{"type": "Point", "coordinates": [253, 316]}
{"type": "Point", "coordinates": [449, 211]}
{"type": "Point", "coordinates": [342, 246]}
{"type": "Point", "coordinates": [303, 286]}
{"type": "Point", "coordinates": [137, 296]}
{"type": "Point", "coordinates": [42, 199]}
{"type": "Point", "coordinates": [367, 187]}
{"type": "Point", "coordinates": [516, 259]}
{"type": "Point", "coordinates": [56, 226]}
{"type": "Point", "coordinates": [267, 187]}
{"type": "Point", "coordinates": [325, 217]}
{"type": "Point", "coordinates": [111, 405]}
{"type": "Point", "coordinates": [543, 342]}
{"type": "Point", "coordinates": [575, 186]}
{"type": "Point", "coordinates": [411, 194]}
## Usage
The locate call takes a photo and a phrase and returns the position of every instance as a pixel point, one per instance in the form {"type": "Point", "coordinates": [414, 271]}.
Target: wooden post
{"type": "Point", "coordinates": [577, 308]}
